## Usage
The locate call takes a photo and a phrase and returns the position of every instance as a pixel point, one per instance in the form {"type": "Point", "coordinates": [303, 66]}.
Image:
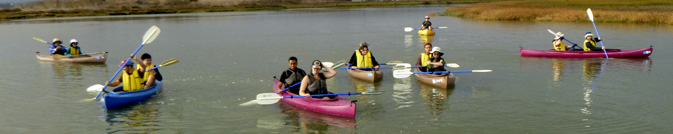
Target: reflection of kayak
{"type": "Point", "coordinates": [369, 76]}
{"type": "Point", "coordinates": [115, 100]}
{"type": "Point", "coordinates": [441, 81]}
{"type": "Point", "coordinates": [338, 106]}
{"type": "Point", "coordinates": [311, 117]}
{"type": "Point", "coordinates": [92, 58]}
{"type": "Point", "coordinates": [426, 32]}
{"type": "Point", "coordinates": [426, 39]}
{"type": "Point", "coordinates": [612, 53]}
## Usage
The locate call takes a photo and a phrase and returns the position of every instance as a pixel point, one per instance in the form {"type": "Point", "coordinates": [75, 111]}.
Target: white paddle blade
{"type": "Point", "coordinates": [399, 74]}
{"type": "Point", "coordinates": [268, 98]}
{"type": "Point", "coordinates": [95, 88]}
{"type": "Point", "coordinates": [408, 29]}
{"type": "Point", "coordinates": [151, 34]}
{"type": "Point", "coordinates": [482, 71]}
{"type": "Point", "coordinates": [328, 64]}
{"type": "Point", "coordinates": [452, 65]}
{"type": "Point", "coordinates": [402, 66]}
{"type": "Point", "coordinates": [552, 32]}
{"type": "Point", "coordinates": [169, 62]}
{"type": "Point", "coordinates": [40, 40]}
{"type": "Point", "coordinates": [591, 15]}
{"type": "Point", "coordinates": [442, 27]}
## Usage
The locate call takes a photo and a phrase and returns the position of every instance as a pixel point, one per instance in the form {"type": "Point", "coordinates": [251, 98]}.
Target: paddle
{"type": "Point", "coordinates": [393, 63]}
{"type": "Point", "coordinates": [271, 98]}
{"type": "Point", "coordinates": [43, 41]}
{"type": "Point", "coordinates": [554, 33]}
{"type": "Point", "coordinates": [165, 63]}
{"type": "Point", "coordinates": [591, 17]}
{"type": "Point", "coordinates": [409, 29]}
{"type": "Point", "coordinates": [407, 73]}
{"type": "Point", "coordinates": [149, 36]}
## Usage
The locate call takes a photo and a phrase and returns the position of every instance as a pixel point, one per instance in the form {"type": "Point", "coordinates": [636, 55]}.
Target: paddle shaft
{"type": "Point", "coordinates": [323, 95]}
{"type": "Point", "coordinates": [591, 17]}
{"type": "Point", "coordinates": [456, 71]}
{"type": "Point", "coordinates": [290, 87]}
{"type": "Point", "coordinates": [119, 70]}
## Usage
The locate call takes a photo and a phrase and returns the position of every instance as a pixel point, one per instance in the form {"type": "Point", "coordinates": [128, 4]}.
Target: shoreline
{"type": "Point", "coordinates": [18, 14]}
{"type": "Point", "coordinates": [658, 12]}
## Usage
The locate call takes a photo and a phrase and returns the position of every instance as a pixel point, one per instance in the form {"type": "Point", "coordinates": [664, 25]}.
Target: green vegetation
{"type": "Point", "coordinates": [614, 11]}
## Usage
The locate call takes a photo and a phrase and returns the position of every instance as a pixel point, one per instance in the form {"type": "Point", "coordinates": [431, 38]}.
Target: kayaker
{"type": "Point", "coordinates": [426, 24]}
{"type": "Point", "coordinates": [362, 57]}
{"type": "Point", "coordinates": [131, 79]}
{"type": "Point", "coordinates": [436, 62]}
{"type": "Point", "coordinates": [146, 63]}
{"type": "Point", "coordinates": [424, 57]}
{"type": "Point", "coordinates": [291, 76]}
{"type": "Point", "coordinates": [57, 48]}
{"type": "Point", "coordinates": [590, 43]}
{"type": "Point", "coordinates": [315, 83]}
{"type": "Point", "coordinates": [558, 43]}
{"type": "Point", "coordinates": [74, 48]}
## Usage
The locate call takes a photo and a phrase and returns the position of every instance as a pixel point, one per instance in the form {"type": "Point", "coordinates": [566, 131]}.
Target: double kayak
{"type": "Point", "coordinates": [338, 106]}
{"type": "Point", "coordinates": [114, 100]}
{"type": "Point", "coordinates": [426, 32]}
{"type": "Point", "coordinates": [612, 53]}
{"type": "Point", "coordinates": [99, 57]}
{"type": "Point", "coordinates": [368, 76]}
{"type": "Point", "coordinates": [441, 81]}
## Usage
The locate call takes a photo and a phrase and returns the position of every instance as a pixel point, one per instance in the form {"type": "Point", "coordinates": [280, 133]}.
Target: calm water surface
{"type": "Point", "coordinates": [228, 58]}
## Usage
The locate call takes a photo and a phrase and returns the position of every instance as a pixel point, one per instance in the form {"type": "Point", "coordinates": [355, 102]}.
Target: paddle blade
{"type": "Point", "coordinates": [552, 32]}
{"type": "Point", "coordinates": [268, 98]}
{"type": "Point", "coordinates": [372, 93]}
{"type": "Point", "coordinates": [328, 64]}
{"type": "Point", "coordinates": [591, 15]}
{"type": "Point", "coordinates": [402, 66]}
{"type": "Point", "coordinates": [40, 40]}
{"type": "Point", "coordinates": [452, 65]}
{"type": "Point", "coordinates": [169, 62]}
{"type": "Point", "coordinates": [95, 88]}
{"type": "Point", "coordinates": [151, 34]}
{"type": "Point", "coordinates": [408, 29]}
{"type": "Point", "coordinates": [402, 73]}
{"type": "Point", "coordinates": [87, 100]}
{"type": "Point", "coordinates": [442, 27]}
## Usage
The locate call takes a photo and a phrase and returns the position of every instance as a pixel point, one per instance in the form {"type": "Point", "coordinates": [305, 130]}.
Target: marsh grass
{"type": "Point", "coordinates": [614, 11]}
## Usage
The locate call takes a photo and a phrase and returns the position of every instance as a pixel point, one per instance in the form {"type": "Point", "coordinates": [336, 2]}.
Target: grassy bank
{"type": "Point", "coordinates": [613, 11]}
{"type": "Point", "coordinates": [73, 8]}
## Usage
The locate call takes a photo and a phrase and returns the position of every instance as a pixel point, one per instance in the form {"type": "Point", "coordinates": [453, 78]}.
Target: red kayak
{"type": "Point", "coordinates": [338, 106]}
{"type": "Point", "coordinates": [612, 53]}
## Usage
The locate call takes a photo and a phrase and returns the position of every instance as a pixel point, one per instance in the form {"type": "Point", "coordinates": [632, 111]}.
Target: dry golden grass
{"type": "Point", "coordinates": [618, 11]}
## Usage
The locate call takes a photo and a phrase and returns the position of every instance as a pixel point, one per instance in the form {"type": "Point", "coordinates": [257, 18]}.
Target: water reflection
{"type": "Point", "coordinates": [140, 118]}
{"type": "Point", "coordinates": [435, 98]}
{"type": "Point", "coordinates": [363, 86]}
{"type": "Point", "coordinates": [402, 94]}
{"type": "Point", "coordinates": [425, 39]}
{"type": "Point", "coordinates": [306, 121]}
{"type": "Point", "coordinates": [591, 68]}
{"type": "Point", "coordinates": [557, 70]}
{"type": "Point", "coordinates": [408, 40]}
{"type": "Point", "coordinates": [64, 71]}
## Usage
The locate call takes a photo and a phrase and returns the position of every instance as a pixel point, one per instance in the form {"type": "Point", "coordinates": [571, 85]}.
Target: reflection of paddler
{"type": "Point", "coordinates": [557, 69]}
{"type": "Point", "coordinates": [590, 69]}
{"type": "Point", "coordinates": [435, 98]}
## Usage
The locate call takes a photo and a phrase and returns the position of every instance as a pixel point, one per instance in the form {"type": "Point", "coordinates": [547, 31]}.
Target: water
{"type": "Point", "coordinates": [228, 58]}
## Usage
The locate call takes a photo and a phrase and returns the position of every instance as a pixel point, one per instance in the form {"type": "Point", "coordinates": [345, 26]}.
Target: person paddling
{"type": "Point", "coordinates": [57, 48]}
{"type": "Point", "coordinates": [316, 82]}
{"type": "Point", "coordinates": [145, 63]}
{"type": "Point", "coordinates": [291, 76]}
{"type": "Point", "coordinates": [74, 48]}
{"type": "Point", "coordinates": [131, 80]}
{"type": "Point", "coordinates": [590, 43]}
{"type": "Point", "coordinates": [436, 62]}
{"type": "Point", "coordinates": [424, 57]}
{"type": "Point", "coordinates": [426, 24]}
{"type": "Point", "coordinates": [362, 57]}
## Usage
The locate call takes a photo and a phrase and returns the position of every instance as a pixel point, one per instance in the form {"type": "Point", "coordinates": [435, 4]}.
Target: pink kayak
{"type": "Point", "coordinates": [612, 53]}
{"type": "Point", "coordinates": [338, 106]}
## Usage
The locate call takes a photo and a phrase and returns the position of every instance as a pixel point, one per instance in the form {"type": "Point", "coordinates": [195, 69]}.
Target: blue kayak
{"type": "Point", "coordinates": [114, 100]}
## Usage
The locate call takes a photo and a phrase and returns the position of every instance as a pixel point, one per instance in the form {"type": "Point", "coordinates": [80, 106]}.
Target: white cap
{"type": "Point", "coordinates": [588, 34]}
{"type": "Point", "coordinates": [73, 40]}
{"type": "Point", "coordinates": [427, 17]}
{"type": "Point", "coordinates": [436, 49]}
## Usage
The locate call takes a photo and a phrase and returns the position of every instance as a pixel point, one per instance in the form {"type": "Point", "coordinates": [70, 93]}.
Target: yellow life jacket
{"type": "Point", "coordinates": [585, 44]}
{"type": "Point", "coordinates": [132, 82]}
{"type": "Point", "coordinates": [364, 61]}
{"type": "Point", "coordinates": [146, 74]}
{"type": "Point", "coordinates": [560, 47]}
{"type": "Point", "coordinates": [425, 57]}
{"type": "Point", "coordinates": [74, 51]}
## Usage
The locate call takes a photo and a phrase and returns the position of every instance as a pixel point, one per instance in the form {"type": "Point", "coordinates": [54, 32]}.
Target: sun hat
{"type": "Point", "coordinates": [130, 63]}
{"type": "Point", "coordinates": [427, 17]}
{"type": "Point", "coordinates": [73, 40]}
{"type": "Point", "coordinates": [588, 34]}
{"type": "Point", "coordinates": [56, 40]}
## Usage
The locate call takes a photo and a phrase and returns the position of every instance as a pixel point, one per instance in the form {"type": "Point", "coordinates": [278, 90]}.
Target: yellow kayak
{"type": "Point", "coordinates": [426, 32]}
